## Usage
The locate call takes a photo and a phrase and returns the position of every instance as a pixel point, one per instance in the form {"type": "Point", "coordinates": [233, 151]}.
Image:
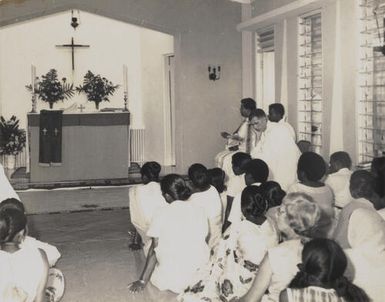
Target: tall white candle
{"type": "Point", "coordinates": [125, 80]}
{"type": "Point", "coordinates": [33, 77]}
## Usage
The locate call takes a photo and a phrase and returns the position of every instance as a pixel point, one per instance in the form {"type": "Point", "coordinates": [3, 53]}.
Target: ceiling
{"type": "Point", "coordinates": [242, 1]}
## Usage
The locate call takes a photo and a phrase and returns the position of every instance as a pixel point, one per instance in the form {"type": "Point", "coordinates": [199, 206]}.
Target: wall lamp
{"type": "Point", "coordinates": [214, 72]}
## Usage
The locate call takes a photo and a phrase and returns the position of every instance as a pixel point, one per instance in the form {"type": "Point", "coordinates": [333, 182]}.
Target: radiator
{"type": "Point", "coordinates": [137, 146]}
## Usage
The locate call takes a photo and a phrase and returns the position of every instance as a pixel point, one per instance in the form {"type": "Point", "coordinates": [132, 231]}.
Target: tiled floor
{"type": "Point", "coordinates": [95, 259]}
{"type": "Point", "coordinates": [74, 199]}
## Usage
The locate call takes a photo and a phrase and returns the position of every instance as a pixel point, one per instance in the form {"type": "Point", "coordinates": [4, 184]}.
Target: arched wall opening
{"type": "Point", "coordinates": [113, 44]}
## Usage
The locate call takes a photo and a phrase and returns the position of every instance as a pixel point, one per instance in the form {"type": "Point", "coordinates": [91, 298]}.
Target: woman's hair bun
{"type": "Point", "coordinates": [184, 193]}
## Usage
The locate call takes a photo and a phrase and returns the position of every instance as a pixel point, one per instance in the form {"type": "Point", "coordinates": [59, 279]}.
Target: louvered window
{"type": "Point", "coordinates": [371, 98]}
{"type": "Point", "coordinates": [265, 88]}
{"type": "Point", "coordinates": [310, 81]}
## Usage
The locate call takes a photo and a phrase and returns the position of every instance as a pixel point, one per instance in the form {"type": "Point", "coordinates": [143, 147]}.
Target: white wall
{"type": "Point", "coordinates": [112, 44]}
{"type": "Point", "coordinates": [204, 33]}
{"type": "Point", "coordinates": [339, 66]}
{"type": "Point", "coordinates": [153, 91]}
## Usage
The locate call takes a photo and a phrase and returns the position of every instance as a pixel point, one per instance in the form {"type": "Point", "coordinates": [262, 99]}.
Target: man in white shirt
{"type": "Point", "coordinates": [339, 178]}
{"type": "Point", "coordinates": [276, 115]}
{"type": "Point", "coordinates": [240, 140]}
{"type": "Point", "coordinates": [277, 148]}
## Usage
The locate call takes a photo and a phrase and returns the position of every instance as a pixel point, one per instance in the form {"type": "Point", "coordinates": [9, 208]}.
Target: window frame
{"type": "Point", "coordinates": [303, 124]}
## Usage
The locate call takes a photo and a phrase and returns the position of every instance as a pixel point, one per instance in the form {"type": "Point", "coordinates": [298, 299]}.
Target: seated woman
{"type": "Point", "coordinates": [233, 267]}
{"type": "Point", "coordinates": [339, 178]}
{"type": "Point", "coordinates": [361, 232]}
{"type": "Point", "coordinates": [274, 195]}
{"type": "Point", "coordinates": [217, 179]}
{"type": "Point", "coordinates": [311, 169]}
{"type": "Point", "coordinates": [206, 197]}
{"type": "Point", "coordinates": [359, 220]}
{"type": "Point", "coordinates": [178, 246]}
{"type": "Point", "coordinates": [55, 283]}
{"type": "Point", "coordinates": [144, 201]}
{"type": "Point", "coordinates": [321, 276]}
{"type": "Point", "coordinates": [235, 183]}
{"type": "Point", "coordinates": [256, 173]}
{"type": "Point", "coordinates": [24, 270]}
{"type": "Point", "coordinates": [298, 220]}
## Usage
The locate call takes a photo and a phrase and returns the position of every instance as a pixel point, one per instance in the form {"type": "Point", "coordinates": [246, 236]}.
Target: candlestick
{"type": "Point", "coordinates": [125, 80]}
{"type": "Point", "coordinates": [33, 103]}
{"type": "Point", "coordinates": [33, 77]}
{"type": "Point", "coordinates": [125, 97]}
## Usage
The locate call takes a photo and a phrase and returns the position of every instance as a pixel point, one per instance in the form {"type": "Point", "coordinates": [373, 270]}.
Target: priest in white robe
{"type": "Point", "coordinates": [277, 148]}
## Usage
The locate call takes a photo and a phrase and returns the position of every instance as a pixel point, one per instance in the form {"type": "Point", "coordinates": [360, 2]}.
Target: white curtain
{"type": "Point", "coordinates": [336, 124]}
{"type": "Point", "coordinates": [284, 93]}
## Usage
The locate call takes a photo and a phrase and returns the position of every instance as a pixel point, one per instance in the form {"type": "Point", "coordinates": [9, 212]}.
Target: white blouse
{"type": "Point", "coordinates": [181, 229]}
{"type": "Point", "coordinates": [22, 270]}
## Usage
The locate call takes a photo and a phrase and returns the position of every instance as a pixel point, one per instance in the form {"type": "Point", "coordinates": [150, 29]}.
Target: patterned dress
{"type": "Point", "coordinates": [233, 266]}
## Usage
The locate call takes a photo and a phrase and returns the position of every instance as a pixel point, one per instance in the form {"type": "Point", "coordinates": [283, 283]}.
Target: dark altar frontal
{"type": "Point", "coordinates": [93, 146]}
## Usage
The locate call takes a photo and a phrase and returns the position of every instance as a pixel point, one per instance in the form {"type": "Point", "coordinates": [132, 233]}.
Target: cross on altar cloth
{"type": "Point", "coordinates": [50, 140]}
{"type": "Point", "coordinates": [81, 107]}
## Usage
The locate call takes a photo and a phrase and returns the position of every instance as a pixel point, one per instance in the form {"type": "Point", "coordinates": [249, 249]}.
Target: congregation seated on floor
{"type": "Point", "coordinates": [269, 240]}
{"type": "Point", "coordinates": [282, 226]}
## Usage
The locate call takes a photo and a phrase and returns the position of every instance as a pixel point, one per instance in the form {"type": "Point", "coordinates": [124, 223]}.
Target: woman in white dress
{"type": "Point", "coordinates": [232, 268]}
{"type": "Point", "coordinates": [361, 233]}
{"type": "Point", "coordinates": [178, 245]}
{"type": "Point", "coordinates": [298, 219]}
{"type": "Point", "coordinates": [24, 270]}
{"type": "Point", "coordinates": [321, 276]}
{"type": "Point", "coordinates": [311, 169]}
{"type": "Point", "coordinates": [56, 282]}
{"type": "Point", "coordinates": [207, 197]}
{"type": "Point", "coordinates": [145, 200]}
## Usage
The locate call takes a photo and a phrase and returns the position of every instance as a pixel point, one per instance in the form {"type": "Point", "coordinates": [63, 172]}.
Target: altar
{"type": "Point", "coordinates": [93, 146]}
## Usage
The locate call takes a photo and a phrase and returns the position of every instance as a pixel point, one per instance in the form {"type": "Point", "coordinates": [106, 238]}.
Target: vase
{"type": "Point", "coordinates": [9, 164]}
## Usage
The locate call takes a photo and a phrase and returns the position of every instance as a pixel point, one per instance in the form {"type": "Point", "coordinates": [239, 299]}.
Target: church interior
{"type": "Point", "coordinates": [172, 75]}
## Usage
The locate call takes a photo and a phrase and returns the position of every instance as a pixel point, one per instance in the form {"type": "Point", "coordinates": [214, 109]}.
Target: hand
{"type": "Point", "coordinates": [236, 137]}
{"type": "Point", "coordinates": [225, 134]}
{"type": "Point", "coordinates": [137, 286]}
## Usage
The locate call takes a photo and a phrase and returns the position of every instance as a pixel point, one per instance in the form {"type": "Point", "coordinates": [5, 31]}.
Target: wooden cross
{"type": "Point", "coordinates": [81, 107]}
{"type": "Point", "coordinates": [73, 46]}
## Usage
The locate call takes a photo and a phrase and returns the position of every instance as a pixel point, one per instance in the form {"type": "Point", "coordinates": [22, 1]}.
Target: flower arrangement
{"type": "Point", "coordinates": [13, 138]}
{"type": "Point", "coordinates": [96, 88]}
{"type": "Point", "coordinates": [49, 89]}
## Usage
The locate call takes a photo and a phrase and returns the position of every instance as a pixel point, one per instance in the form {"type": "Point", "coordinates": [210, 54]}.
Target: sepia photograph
{"type": "Point", "coordinates": [192, 150]}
